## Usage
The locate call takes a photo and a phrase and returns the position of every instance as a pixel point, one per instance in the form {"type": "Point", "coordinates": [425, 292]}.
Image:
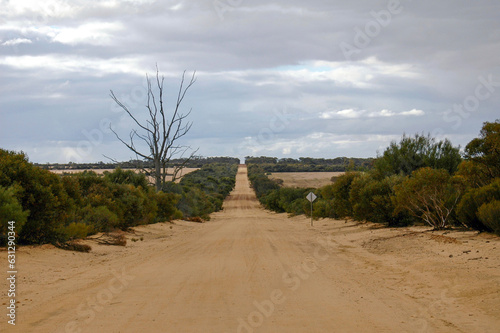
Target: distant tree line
{"type": "Point", "coordinates": [308, 164]}
{"type": "Point", "coordinates": [417, 179]}
{"type": "Point", "coordinates": [195, 162]}
{"type": "Point", "coordinates": [51, 208]}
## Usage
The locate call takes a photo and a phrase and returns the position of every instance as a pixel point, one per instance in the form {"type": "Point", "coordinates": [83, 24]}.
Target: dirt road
{"type": "Point", "coordinates": [250, 270]}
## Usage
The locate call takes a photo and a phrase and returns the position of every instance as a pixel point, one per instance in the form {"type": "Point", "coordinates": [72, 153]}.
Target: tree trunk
{"type": "Point", "coordinates": [158, 175]}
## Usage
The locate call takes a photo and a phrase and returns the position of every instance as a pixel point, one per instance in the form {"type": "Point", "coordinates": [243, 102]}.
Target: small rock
{"type": "Point", "coordinates": [451, 255]}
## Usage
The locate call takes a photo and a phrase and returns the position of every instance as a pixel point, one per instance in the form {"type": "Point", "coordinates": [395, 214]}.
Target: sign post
{"type": "Point", "coordinates": [311, 197]}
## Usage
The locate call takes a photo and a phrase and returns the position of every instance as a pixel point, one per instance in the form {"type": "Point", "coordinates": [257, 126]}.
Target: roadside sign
{"type": "Point", "coordinates": [311, 197]}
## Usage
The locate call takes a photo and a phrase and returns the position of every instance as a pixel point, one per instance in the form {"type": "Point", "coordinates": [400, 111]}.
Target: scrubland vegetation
{"type": "Point", "coordinates": [195, 162]}
{"type": "Point", "coordinates": [308, 164]}
{"type": "Point", "coordinates": [418, 179]}
{"type": "Point", "coordinates": [415, 180]}
{"type": "Point", "coordinates": [50, 208]}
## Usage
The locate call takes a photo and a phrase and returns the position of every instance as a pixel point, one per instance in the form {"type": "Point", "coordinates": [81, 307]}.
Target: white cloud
{"type": "Point", "coordinates": [23, 13]}
{"type": "Point", "coordinates": [353, 114]}
{"type": "Point", "coordinates": [71, 63]}
{"type": "Point", "coordinates": [17, 41]}
{"type": "Point", "coordinates": [383, 113]}
{"type": "Point", "coordinates": [413, 112]}
{"type": "Point", "coordinates": [96, 33]}
{"type": "Point", "coordinates": [347, 113]}
{"type": "Point", "coordinates": [350, 113]}
{"type": "Point", "coordinates": [361, 74]}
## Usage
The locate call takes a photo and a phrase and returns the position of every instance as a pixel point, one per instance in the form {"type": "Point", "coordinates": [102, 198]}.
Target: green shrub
{"type": "Point", "coordinates": [413, 153]}
{"type": "Point", "coordinates": [341, 191]}
{"type": "Point", "coordinates": [100, 218]}
{"type": "Point", "coordinates": [75, 230]}
{"type": "Point", "coordinates": [327, 191]}
{"type": "Point", "coordinates": [203, 191]}
{"type": "Point", "coordinates": [472, 200]}
{"type": "Point", "coordinates": [40, 192]}
{"type": "Point", "coordinates": [10, 210]}
{"type": "Point", "coordinates": [195, 203]}
{"type": "Point", "coordinates": [288, 196]}
{"type": "Point", "coordinates": [485, 150]}
{"type": "Point", "coordinates": [71, 186]}
{"type": "Point", "coordinates": [429, 194]}
{"type": "Point", "coordinates": [261, 184]}
{"type": "Point", "coordinates": [372, 200]}
{"type": "Point", "coordinates": [171, 187]}
{"type": "Point", "coordinates": [120, 176]}
{"type": "Point", "coordinates": [323, 208]}
{"type": "Point", "coordinates": [167, 206]}
{"type": "Point", "coordinates": [88, 181]}
{"type": "Point", "coordinates": [360, 197]}
{"type": "Point", "coordinates": [150, 206]}
{"type": "Point", "coordinates": [271, 201]}
{"type": "Point", "coordinates": [489, 214]}
{"type": "Point", "coordinates": [129, 201]}
{"type": "Point", "coordinates": [474, 174]}
{"type": "Point", "coordinates": [300, 206]}
{"type": "Point", "coordinates": [212, 178]}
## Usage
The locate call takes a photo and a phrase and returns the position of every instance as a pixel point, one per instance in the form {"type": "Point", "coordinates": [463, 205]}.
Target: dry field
{"type": "Point", "coordinates": [305, 179]}
{"type": "Point", "coordinates": [184, 171]}
{"type": "Point", "coordinates": [251, 270]}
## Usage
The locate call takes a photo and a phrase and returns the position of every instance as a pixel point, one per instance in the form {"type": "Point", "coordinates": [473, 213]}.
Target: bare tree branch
{"type": "Point", "coordinates": [161, 131]}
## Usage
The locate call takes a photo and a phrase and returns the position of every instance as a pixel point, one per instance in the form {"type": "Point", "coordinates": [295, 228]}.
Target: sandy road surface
{"type": "Point", "coordinates": [250, 270]}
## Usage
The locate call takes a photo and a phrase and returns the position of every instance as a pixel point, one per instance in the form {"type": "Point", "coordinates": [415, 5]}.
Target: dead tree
{"type": "Point", "coordinates": [161, 131]}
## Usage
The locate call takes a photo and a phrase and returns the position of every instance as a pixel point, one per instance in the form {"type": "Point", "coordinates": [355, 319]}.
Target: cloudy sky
{"type": "Point", "coordinates": [289, 78]}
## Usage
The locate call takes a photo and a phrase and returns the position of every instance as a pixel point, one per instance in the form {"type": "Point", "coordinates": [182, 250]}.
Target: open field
{"type": "Point", "coordinates": [305, 179]}
{"type": "Point", "coordinates": [183, 172]}
{"type": "Point", "coordinates": [251, 270]}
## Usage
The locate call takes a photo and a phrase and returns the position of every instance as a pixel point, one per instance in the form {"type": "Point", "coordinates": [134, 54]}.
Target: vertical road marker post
{"type": "Point", "coordinates": [311, 197]}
